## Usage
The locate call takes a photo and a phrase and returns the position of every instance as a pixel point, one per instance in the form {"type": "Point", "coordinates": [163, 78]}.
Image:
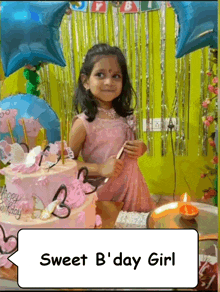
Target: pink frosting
{"type": "Point", "coordinates": [98, 220]}
{"type": "Point", "coordinates": [16, 180]}
{"type": "Point", "coordinates": [9, 245]}
{"type": "Point", "coordinates": [6, 246]}
{"type": "Point", "coordinates": [80, 221]}
{"type": "Point", "coordinates": [42, 181]}
{"type": "Point", "coordinates": [25, 206]}
{"type": "Point", "coordinates": [4, 262]}
{"type": "Point", "coordinates": [23, 169]}
{"type": "Point", "coordinates": [77, 191]}
{"type": "Point", "coordinates": [76, 196]}
{"type": "Point", "coordinates": [86, 187]}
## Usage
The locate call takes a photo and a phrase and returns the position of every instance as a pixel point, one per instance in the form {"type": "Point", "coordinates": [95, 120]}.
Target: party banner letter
{"type": "Point", "coordinates": [129, 7]}
{"type": "Point", "coordinates": [82, 6]}
{"type": "Point", "coordinates": [149, 5]}
{"type": "Point", "coordinates": [99, 6]}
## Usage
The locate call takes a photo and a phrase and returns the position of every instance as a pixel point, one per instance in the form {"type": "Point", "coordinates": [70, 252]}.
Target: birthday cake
{"type": "Point", "coordinates": [42, 191]}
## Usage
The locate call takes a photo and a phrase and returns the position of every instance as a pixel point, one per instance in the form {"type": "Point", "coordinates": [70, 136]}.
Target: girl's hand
{"type": "Point", "coordinates": [112, 168]}
{"type": "Point", "coordinates": [135, 148]}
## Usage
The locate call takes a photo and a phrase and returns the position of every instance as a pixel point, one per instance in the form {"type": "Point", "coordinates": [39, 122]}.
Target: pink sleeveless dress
{"type": "Point", "coordinates": [104, 138]}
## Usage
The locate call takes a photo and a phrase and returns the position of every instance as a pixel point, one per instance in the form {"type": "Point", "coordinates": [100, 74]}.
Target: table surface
{"type": "Point", "coordinates": [206, 223]}
{"type": "Point", "coordinates": [168, 216]}
{"type": "Point", "coordinates": [113, 217]}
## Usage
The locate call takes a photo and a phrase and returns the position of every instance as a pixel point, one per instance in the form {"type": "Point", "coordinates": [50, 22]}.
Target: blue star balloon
{"type": "Point", "coordinates": [32, 109]}
{"type": "Point", "coordinates": [30, 33]}
{"type": "Point", "coordinates": [198, 25]}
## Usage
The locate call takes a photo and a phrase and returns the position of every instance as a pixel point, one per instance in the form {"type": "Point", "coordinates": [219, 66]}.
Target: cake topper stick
{"type": "Point", "coordinates": [25, 132]}
{"type": "Point", "coordinates": [10, 131]}
{"type": "Point", "coordinates": [62, 144]}
{"type": "Point", "coordinates": [45, 134]}
{"type": "Point", "coordinates": [44, 142]}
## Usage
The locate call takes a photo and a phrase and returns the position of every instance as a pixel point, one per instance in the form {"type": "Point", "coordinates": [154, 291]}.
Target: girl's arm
{"type": "Point", "coordinates": [77, 138]}
{"type": "Point", "coordinates": [112, 167]}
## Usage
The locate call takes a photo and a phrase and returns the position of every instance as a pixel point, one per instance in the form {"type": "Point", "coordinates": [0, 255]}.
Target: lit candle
{"type": "Point", "coordinates": [25, 132]}
{"type": "Point", "coordinates": [62, 144]}
{"type": "Point", "coordinates": [10, 131]}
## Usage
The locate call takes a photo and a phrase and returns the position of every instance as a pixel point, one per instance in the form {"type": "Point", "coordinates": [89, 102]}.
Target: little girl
{"type": "Point", "coordinates": [104, 97]}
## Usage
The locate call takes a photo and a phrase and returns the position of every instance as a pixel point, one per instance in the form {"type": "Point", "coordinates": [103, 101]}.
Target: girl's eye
{"type": "Point", "coordinates": [117, 76]}
{"type": "Point", "coordinates": [100, 74]}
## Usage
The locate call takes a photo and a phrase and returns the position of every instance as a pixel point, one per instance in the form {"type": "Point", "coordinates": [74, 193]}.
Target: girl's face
{"type": "Point", "coordinates": [105, 81]}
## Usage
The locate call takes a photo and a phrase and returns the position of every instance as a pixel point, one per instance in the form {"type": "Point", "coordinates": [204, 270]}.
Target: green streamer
{"type": "Point", "coordinates": [75, 51]}
{"type": "Point", "coordinates": [120, 31]}
{"type": "Point", "coordinates": [89, 30]}
{"type": "Point", "coordinates": [110, 27]}
{"type": "Point", "coordinates": [33, 80]}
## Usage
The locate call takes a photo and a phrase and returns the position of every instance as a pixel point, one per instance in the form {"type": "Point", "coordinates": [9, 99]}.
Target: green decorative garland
{"type": "Point", "coordinates": [33, 80]}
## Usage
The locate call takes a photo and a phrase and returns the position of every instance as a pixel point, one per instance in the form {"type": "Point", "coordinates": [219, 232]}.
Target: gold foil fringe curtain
{"type": "Point", "coordinates": [134, 34]}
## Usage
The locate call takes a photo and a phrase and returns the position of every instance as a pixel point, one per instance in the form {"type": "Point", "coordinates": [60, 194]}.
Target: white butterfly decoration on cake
{"type": "Point", "coordinates": [40, 211]}
{"type": "Point", "coordinates": [25, 162]}
{"type": "Point", "coordinates": [20, 157]}
{"type": "Point", "coordinates": [17, 154]}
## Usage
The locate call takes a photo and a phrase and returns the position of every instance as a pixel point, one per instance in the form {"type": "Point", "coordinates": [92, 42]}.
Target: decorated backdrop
{"type": "Point", "coordinates": [166, 86]}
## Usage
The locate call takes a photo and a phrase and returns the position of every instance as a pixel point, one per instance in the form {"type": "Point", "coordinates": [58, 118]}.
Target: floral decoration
{"type": "Point", "coordinates": [209, 119]}
{"type": "Point", "coordinates": [4, 261]}
{"type": "Point", "coordinates": [56, 149]}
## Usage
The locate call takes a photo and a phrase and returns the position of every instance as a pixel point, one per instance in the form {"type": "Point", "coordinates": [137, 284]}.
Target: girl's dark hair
{"type": "Point", "coordinates": [84, 98]}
